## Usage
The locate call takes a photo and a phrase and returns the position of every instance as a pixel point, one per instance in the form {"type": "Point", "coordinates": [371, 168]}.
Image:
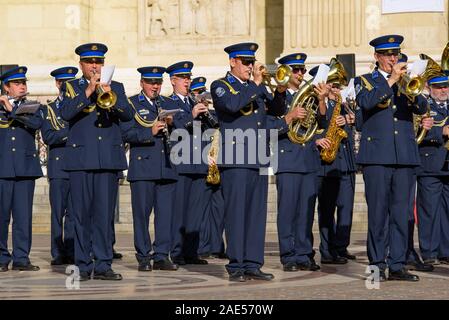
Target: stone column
{"type": "Point", "coordinates": [324, 28]}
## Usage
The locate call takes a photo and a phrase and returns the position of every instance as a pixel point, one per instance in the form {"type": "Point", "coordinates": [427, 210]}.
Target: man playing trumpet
{"type": "Point", "coordinates": [389, 156]}
{"type": "Point", "coordinates": [95, 155]}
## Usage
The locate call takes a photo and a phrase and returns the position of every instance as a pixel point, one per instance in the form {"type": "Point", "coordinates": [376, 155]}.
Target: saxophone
{"type": "Point", "coordinates": [335, 134]}
{"type": "Point", "coordinates": [213, 174]}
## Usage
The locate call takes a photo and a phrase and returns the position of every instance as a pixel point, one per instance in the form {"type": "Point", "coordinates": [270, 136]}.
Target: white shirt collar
{"type": "Point", "coordinates": [181, 97]}
{"type": "Point", "coordinates": [385, 74]}
{"type": "Point", "coordinates": [291, 91]}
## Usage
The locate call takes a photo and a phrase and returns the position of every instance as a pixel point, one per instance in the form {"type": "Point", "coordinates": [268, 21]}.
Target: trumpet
{"type": "Point", "coordinates": [281, 76]}
{"type": "Point", "coordinates": [206, 117]}
{"type": "Point", "coordinates": [105, 100]}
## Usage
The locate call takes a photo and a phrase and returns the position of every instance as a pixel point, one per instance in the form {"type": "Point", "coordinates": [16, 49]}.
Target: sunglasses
{"type": "Point", "coordinates": [247, 62]}
{"type": "Point", "coordinates": [152, 81]}
{"type": "Point", "coordinates": [299, 70]}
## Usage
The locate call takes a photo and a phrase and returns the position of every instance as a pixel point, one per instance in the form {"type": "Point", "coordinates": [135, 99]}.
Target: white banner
{"type": "Point", "coordinates": [401, 6]}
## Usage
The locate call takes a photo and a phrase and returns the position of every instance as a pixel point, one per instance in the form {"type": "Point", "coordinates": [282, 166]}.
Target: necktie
{"type": "Point", "coordinates": [388, 76]}
{"type": "Point", "coordinates": [186, 101]}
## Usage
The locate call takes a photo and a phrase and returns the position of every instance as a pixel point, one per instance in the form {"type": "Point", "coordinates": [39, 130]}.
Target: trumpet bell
{"type": "Point", "coordinates": [106, 100]}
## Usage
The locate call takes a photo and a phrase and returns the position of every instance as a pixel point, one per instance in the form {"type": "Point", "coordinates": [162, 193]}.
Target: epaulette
{"type": "Point", "coordinates": [230, 78]}
{"type": "Point", "coordinates": [141, 97]}
{"type": "Point", "coordinates": [174, 97]}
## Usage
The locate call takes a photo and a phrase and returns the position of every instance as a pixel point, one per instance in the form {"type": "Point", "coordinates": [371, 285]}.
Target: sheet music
{"type": "Point", "coordinates": [28, 107]}
{"type": "Point", "coordinates": [321, 75]}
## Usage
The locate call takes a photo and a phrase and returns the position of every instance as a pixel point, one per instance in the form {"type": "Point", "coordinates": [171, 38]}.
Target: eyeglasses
{"type": "Point", "coordinates": [389, 54]}
{"type": "Point", "coordinates": [183, 76]}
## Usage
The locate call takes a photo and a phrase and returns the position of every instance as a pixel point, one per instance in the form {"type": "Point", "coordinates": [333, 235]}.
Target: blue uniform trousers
{"type": "Point", "coordinates": [93, 205]}
{"type": "Point", "coordinates": [62, 224]}
{"type": "Point", "coordinates": [192, 202]}
{"type": "Point", "coordinates": [387, 192]}
{"type": "Point", "coordinates": [145, 196]}
{"type": "Point", "coordinates": [296, 206]}
{"type": "Point", "coordinates": [245, 194]}
{"type": "Point", "coordinates": [212, 228]}
{"type": "Point", "coordinates": [433, 216]}
{"type": "Point", "coordinates": [335, 193]}
{"type": "Point", "coordinates": [16, 199]}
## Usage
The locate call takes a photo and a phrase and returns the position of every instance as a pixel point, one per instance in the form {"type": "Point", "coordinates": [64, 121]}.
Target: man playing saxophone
{"type": "Point", "coordinates": [336, 179]}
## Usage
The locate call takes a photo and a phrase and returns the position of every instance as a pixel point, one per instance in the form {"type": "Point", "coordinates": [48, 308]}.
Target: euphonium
{"type": "Point", "coordinates": [432, 70]}
{"type": "Point", "coordinates": [281, 76]}
{"type": "Point", "coordinates": [412, 85]}
{"type": "Point", "coordinates": [302, 130]}
{"type": "Point", "coordinates": [337, 73]}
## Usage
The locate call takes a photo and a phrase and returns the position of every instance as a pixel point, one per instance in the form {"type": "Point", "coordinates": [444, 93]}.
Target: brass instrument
{"type": "Point", "coordinates": [301, 131]}
{"type": "Point", "coordinates": [213, 174]}
{"type": "Point", "coordinates": [281, 76]}
{"type": "Point", "coordinates": [432, 70]}
{"type": "Point", "coordinates": [335, 134]}
{"type": "Point", "coordinates": [105, 100]}
{"type": "Point", "coordinates": [445, 58]}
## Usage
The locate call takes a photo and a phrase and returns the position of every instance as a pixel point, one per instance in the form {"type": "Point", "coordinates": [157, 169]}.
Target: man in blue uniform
{"type": "Point", "coordinates": [193, 194]}
{"type": "Point", "coordinates": [151, 175]}
{"type": "Point", "coordinates": [336, 186]}
{"type": "Point", "coordinates": [433, 179]}
{"type": "Point", "coordinates": [212, 226]}
{"type": "Point", "coordinates": [54, 134]}
{"type": "Point", "coordinates": [240, 106]}
{"type": "Point", "coordinates": [19, 168]}
{"type": "Point", "coordinates": [296, 184]}
{"type": "Point", "coordinates": [389, 155]}
{"type": "Point", "coordinates": [94, 156]}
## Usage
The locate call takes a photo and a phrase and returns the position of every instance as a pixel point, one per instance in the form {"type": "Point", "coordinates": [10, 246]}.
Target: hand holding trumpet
{"type": "Point", "coordinates": [397, 72]}
{"type": "Point", "coordinates": [4, 100]}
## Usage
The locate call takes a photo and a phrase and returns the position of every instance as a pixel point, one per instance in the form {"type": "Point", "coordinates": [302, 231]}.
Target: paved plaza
{"type": "Point", "coordinates": [210, 281]}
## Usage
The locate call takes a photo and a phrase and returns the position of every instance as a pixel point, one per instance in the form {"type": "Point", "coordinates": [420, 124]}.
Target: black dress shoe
{"type": "Point", "coordinates": [108, 275]}
{"type": "Point", "coordinates": [402, 275]}
{"type": "Point", "coordinates": [59, 261]}
{"type": "Point", "coordinates": [116, 255]}
{"type": "Point", "coordinates": [432, 261]}
{"type": "Point", "coordinates": [204, 256]}
{"type": "Point", "coordinates": [334, 260]}
{"type": "Point", "coordinates": [69, 260]}
{"type": "Point", "coordinates": [237, 276]}
{"type": "Point", "coordinates": [308, 266]}
{"type": "Point", "coordinates": [165, 264]}
{"type": "Point", "coordinates": [179, 261]}
{"type": "Point", "coordinates": [382, 276]}
{"type": "Point", "coordinates": [3, 267]}
{"type": "Point", "coordinates": [419, 266]}
{"type": "Point", "coordinates": [195, 260]}
{"type": "Point", "coordinates": [347, 255]}
{"type": "Point", "coordinates": [144, 266]}
{"type": "Point", "coordinates": [220, 255]}
{"type": "Point", "coordinates": [84, 276]}
{"type": "Point", "coordinates": [25, 267]}
{"type": "Point", "coordinates": [290, 267]}
{"type": "Point", "coordinates": [444, 260]}
{"type": "Point", "coordinates": [258, 275]}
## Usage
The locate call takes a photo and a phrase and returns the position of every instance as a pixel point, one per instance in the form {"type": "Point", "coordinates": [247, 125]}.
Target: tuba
{"type": "Point", "coordinates": [281, 76]}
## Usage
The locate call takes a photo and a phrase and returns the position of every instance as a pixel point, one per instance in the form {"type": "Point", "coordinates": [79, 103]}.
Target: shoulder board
{"type": "Point", "coordinates": [230, 78]}
{"type": "Point", "coordinates": [70, 92]}
{"type": "Point", "coordinates": [174, 97]}
{"type": "Point", "coordinates": [81, 81]}
{"type": "Point", "coordinates": [229, 87]}
{"type": "Point", "coordinates": [366, 84]}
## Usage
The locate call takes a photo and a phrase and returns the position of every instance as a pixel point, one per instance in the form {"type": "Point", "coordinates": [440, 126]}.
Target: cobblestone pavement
{"type": "Point", "coordinates": [210, 281]}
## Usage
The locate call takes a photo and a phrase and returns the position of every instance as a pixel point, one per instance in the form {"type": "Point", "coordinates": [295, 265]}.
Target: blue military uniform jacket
{"type": "Point", "coordinates": [56, 139]}
{"type": "Point", "coordinates": [149, 156]}
{"type": "Point", "coordinates": [95, 141]}
{"type": "Point", "coordinates": [434, 155]}
{"type": "Point", "coordinates": [388, 137]}
{"type": "Point", "coordinates": [19, 157]}
{"type": "Point", "coordinates": [240, 107]}
{"type": "Point", "coordinates": [345, 161]}
{"type": "Point", "coordinates": [184, 120]}
{"type": "Point", "coordinates": [293, 157]}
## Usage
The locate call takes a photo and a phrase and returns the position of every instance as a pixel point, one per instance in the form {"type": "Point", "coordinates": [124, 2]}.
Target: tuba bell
{"type": "Point", "coordinates": [281, 76]}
